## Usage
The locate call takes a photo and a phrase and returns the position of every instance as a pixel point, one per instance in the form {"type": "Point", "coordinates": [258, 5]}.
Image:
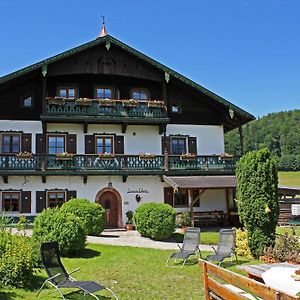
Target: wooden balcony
{"type": "Point", "coordinates": [116, 165]}
{"type": "Point", "coordinates": [101, 111]}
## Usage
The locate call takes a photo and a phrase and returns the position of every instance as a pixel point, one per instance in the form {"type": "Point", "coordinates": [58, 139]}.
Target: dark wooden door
{"type": "Point", "coordinates": [109, 202]}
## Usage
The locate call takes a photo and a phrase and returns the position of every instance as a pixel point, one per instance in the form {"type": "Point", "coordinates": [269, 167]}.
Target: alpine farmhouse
{"type": "Point", "coordinates": [107, 123]}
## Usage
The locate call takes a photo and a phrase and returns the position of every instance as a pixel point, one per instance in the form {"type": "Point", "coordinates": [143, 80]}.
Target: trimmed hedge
{"type": "Point", "coordinates": [155, 220]}
{"type": "Point", "coordinates": [65, 228]}
{"type": "Point", "coordinates": [91, 214]}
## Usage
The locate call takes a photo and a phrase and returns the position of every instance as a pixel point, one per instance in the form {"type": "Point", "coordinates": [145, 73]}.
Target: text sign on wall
{"type": "Point", "coordinates": [137, 191]}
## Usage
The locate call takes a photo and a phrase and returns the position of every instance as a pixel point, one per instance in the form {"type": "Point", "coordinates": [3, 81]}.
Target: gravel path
{"type": "Point", "coordinates": [129, 238]}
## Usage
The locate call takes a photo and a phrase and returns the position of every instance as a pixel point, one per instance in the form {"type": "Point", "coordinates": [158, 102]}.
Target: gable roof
{"type": "Point", "coordinates": [110, 39]}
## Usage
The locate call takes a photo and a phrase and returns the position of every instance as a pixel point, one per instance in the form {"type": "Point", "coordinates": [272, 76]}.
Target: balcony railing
{"type": "Point", "coordinates": [105, 109]}
{"type": "Point", "coordinates": [118, 164]}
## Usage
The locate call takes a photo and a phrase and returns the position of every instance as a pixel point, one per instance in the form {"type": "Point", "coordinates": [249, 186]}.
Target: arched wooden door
{"type": "Point", "coordinates": [109, 202]}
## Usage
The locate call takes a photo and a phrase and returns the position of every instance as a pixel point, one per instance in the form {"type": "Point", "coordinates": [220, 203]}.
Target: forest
{"type": "Point", "coordinates": [279, 132]}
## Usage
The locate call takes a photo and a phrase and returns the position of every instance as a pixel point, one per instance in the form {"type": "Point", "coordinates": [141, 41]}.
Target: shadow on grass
{"type": "Point", "coordinates": [86, 253]}
{"type": "Point", "coordinates": [7, 295]}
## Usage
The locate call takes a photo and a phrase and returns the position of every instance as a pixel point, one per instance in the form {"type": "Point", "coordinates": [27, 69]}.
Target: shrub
{"type": "Point", "coordinates": [183, 219]}
{"type": "Point", "coordinates": [129, 215]}
{"type": "Point", "coordinates": [16, 260]}
{"type": "Point", "coordinates": [242, 247]}
{"type": "Point", "coordinates": [91, 214]}
{"type": "Point", "coordinates": [65, 228]}
{"type": "Point", "coordinates": [155, 220]}
{"type": "Point", "coordinates": [257, 198]}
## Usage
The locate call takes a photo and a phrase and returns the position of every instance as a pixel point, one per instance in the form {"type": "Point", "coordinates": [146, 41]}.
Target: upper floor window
{"type": "Point", "coordinates": [27, 101]}
{"type": "Point", "coordinates": [67, 92]}
{"type": "Point", "coordinates": [56, 198]}
{"type": "Point", "coordinates": [178, 145]}
{"type": "Point", "coordinates": [11, 143]}
{"type": "Point", "coordinates": [103, 93]}
{"type": "Point", "coordinates": [104, 144]}
{"type": "Point", "coordinates": [140, 94]}
{"type": "Point", "coordinates": [11, 201]}
{"type": "Point", "coordinates": [56, 143]}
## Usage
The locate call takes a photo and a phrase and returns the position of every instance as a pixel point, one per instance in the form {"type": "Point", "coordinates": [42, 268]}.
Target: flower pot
{"type": "Point", "coordinates": [129, 226]}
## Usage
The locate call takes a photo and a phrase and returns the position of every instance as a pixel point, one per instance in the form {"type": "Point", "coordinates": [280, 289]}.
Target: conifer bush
{"type": "Point", "coordinates": [257, 196]}
{"type": "Point", "coordinates": [91, 214]}
{"type": "Point", "coordinates": [65, 228]}
{"type": "Point", "coordinates": [155, 220]}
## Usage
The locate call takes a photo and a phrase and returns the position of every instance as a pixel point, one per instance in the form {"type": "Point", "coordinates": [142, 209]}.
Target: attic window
{"type": "Point", "coordinates": [176, 108]}
{"type": "Point", "coordinates": [27, 101]}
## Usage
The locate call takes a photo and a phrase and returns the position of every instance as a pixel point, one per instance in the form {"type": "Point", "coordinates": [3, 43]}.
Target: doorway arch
{"type": "Point", "coordinates": [110, 199]}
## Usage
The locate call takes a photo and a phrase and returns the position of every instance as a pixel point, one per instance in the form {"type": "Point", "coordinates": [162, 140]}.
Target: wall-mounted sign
{"type": "Point", "coordinates": [138, 191]}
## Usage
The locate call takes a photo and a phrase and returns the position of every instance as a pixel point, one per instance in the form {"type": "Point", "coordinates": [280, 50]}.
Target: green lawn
{"type": "Point", "coordinates": [133, 273]}
{"type": "Point", "coordinates": [289, 178]}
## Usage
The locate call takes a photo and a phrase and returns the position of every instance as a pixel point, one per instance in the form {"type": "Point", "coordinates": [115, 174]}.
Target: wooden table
{"type": "Point", "coordinates": [256, 271]}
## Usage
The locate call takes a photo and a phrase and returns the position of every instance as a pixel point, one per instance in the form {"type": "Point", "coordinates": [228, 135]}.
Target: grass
{"type": "Point", "coordinates": [289, 178]}
{"type": "Point", "coordinates": [132, 273]}
{"type": "Point", "coordinates": [289, 230]}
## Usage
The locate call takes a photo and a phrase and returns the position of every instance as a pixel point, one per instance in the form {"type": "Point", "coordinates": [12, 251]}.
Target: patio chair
{"type": "Point", "coordinates": [58, 276]}
{"type": "Point", "coordinates": [226, 246]}
{"type": "Point", "coordinates": [190, 246]}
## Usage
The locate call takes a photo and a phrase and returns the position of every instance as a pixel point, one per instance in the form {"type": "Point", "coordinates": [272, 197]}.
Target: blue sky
{"type": "Point", "coordinates": [247, 51]}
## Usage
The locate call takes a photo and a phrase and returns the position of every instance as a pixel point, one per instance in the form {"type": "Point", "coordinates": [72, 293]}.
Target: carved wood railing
{"type": "Point", "coordinates": [122, 162]}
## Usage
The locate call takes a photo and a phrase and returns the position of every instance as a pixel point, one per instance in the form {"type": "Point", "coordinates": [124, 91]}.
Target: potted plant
{"type": "Point", "coordinates": [183, 220]}
{"type": "Point", "coordinates": [225, 156]}
{"type": "Point", "coordinates": [129, 222]}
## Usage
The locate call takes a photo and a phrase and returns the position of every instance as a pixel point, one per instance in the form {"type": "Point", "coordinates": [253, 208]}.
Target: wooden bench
{"type": "Point", "coordinates": [210, 218]}
{"type": "Point", "coordinates": [222, 284]}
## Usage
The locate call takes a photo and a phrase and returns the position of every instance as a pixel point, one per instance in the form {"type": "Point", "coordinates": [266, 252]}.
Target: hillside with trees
{"type": "Point", "coordinates": [279, 132]}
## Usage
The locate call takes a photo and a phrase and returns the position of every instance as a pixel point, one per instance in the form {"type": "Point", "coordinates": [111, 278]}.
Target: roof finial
{"type": "Point", "coordinates": [103, 29]}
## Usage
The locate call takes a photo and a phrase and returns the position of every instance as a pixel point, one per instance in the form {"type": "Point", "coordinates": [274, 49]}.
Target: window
{"type": "Point", "coordinates": [181, 198]}
{"type": "Point", "coordinates": [176, 108]}
{"type": "Point", "coordinates": [178, 145]}
{"type": "Point", "coordinates": [140, 94]}
{"type": "Point", "coordinates": [11, 201]}
{"type": "Point", "coordinates": [27, 101]}
{"type": "Point", "coordinates": [11, 143]}
{"type": "Point", "coordinates": [104, 144]}
{"type": "Point", "coordinates": [56, 198]}
{"type": "Point", "coordinates": [103, 93]}
{"type": "Point", "coordinates": [56, 144]}
{"type": "Point", "coordinates": [67, 92]}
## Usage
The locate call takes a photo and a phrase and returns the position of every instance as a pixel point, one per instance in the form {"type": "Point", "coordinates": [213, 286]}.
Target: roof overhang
{"type": "Point", "coordinates": [201, 182]}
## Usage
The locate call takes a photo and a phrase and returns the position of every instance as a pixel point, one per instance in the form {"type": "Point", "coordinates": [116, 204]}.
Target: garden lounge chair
{"type": "Point", "coordinates": [58, 276]}
{"type": "Point", "coordinates": [226, 246]}
{"type": "Point", "coordinates": [189, 247]}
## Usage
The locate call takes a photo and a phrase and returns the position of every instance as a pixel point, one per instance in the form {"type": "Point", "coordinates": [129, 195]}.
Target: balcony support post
{"type": "Point", "coordinates": [43, 161]}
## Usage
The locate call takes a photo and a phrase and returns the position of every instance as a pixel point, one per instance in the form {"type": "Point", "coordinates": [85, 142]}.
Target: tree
{"type": "Point", "coordinates": [257, 196]}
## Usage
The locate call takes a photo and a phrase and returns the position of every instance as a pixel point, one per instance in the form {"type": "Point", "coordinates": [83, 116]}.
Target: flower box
{"type": "Point", "coordinates": [107, 102]}
{"type": "Point", "coordinates": [64, 156]}
{"type": "Point", "coordinates": [146, 156]}
{"type": "Point", "coordinates": [187, 156]}
{"type": "Point", "coordinates": [56, 100]}
{"type": "Point", "coordinates": [83, 101]}
{"type": "Point", "coordinates": [106, 156]}
{"type": "Point", "coordinates": [24, 155]}
{"type": "Point", "coordinates": [156, 103]}
{"type": "Point", "coordinates": [130, 103]}
{"type": "Point", "coordinates": [225, 156]}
